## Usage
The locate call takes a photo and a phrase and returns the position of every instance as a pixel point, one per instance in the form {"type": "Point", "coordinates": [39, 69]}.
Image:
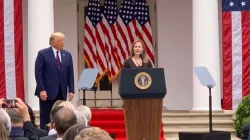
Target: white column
{"type": "Point", "coordinates": [40, 27]}
{"type": "Point", "coordinates": [206, 52]}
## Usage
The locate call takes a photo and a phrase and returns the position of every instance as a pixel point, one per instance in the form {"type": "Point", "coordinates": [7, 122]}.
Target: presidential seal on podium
{"type": "Point", "coordinates": [143, 80]}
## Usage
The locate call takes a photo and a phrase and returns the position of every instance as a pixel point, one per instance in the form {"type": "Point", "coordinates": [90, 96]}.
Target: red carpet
{"type": "Point", "coordinates": [112, 121]}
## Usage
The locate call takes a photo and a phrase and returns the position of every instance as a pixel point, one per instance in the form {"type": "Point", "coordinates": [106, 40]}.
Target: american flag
{"type": "Point", "coordinates": [115, 53]}
{"type": "Point", "coordinates": [110, 33]}
{"type": "Point", "coordinates": [94, 49]}
{"type": "Point", "coordinates": [236, 51]}
{"type": "Point", "coordinates": [11, 49]}
{"type": "Point", "coordinates": [143, 27]}
{"type": "Point", "coordinates": [125, 27]}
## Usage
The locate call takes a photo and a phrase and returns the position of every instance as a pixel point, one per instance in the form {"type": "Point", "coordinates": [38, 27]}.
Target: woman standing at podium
{"type": "Point", "coordinates": [138, 56]}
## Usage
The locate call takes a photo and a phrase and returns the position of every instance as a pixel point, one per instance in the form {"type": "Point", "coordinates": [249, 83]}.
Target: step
{"type": "Point", "coordinates": [107, 115]}
{"type": "Point", "coordinates": [196, 116]}
{"type": "Point", "coordinates": [109, 124]}
{"type": "Point", "coordinates": [232, 138]}
{"type": "Point", "coordinates": [174, 133]}
{"type": "Point", "coordinates": [172, 116]}
{"type": "Point", "coordinates": [119, 133]}
{"type": "Point", "coordinates": [197, 124]}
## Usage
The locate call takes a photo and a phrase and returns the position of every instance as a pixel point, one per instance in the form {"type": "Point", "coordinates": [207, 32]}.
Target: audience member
{"type": "Point", "coordinates": [4, 134]}
{"type": "Point", "coordinates": [5, 118]}
{"type": "Point", "coordinates": [68, 104]}
{"type": "Point", "coordinates": [40, 132]}
{"type": "Point", "coordinates": [64, 119]}
{"type": "Point", "coordinates": [32, 115]}
{"type": "Point", "coordinates": [72, 132]}
{"type": "Point", "coordinates": [20, 119]}
{"type": "Point", "coordinates": [48, 126]}
{"type": "Point", "coordinates": [246, 130]}
{"type": "Point", "coordinates": [22, 127]}
{"type": "Point", "coordinates": [53, 114]}
{"type": "Point", "coordinates": [92, 131]}
{"type": "Point", "coordinates": [52, 133]}
{"type": "Point", "coordinates": [81, 118]}
{"type": "Point", "coordinates": [57, 103]}
{"type": "Point", "coordinates": [86, 111]}
{"type": "Point", "coordinates": [67, 122]}
{"type": "Point", "coordinates": [98, 137]}
{"type": "Point", "coordinates": [16, 123]}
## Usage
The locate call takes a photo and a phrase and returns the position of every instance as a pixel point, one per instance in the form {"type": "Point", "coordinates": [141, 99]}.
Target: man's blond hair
{"type": "Point", "coordinates": [92, 131]}
{"type": "Point", "coordinates": [55, 35]}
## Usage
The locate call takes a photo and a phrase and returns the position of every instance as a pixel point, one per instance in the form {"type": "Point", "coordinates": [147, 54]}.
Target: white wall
{"type": "Point", "coordinates": [174, 24]}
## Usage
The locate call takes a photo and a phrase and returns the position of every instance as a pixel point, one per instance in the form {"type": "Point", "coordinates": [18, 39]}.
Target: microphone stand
{"type": "Point", "coordinates": [210, 109]}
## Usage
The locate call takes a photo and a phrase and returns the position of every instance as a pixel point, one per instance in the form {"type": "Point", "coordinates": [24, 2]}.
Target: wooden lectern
{"type": "Point", "coordinates": [142, 91]}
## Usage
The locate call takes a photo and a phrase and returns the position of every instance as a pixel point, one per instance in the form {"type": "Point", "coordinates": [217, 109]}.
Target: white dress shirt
{"type": "Point", "coordinates": [59, 53]}
{"type": "Point", "coordinates": [52, 132]}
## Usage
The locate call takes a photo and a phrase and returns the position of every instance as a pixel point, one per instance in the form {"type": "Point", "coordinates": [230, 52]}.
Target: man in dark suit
{"type": "Point", "coordinates": [64, 119]}
{"type": "Point", "coordinates": [50, 137]}
{"type": "Point", "coordinates": [246, 130]}
{"type": "Point", "coordinates": [54, 76]}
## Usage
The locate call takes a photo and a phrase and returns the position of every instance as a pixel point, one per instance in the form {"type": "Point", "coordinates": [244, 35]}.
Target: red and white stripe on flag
{"type": "Point", "coordinates": [125, 27]}
{"type": "Point", "coordinates": [115, 53]}
{"type": "Point", "coordinates": [143, 27]}
{"type": "Point", "coordinates": [236, 52]}
{"type": "Point", "coordinates": [94, 50]}
{"type": "Point", "coordinates": [11, 49]}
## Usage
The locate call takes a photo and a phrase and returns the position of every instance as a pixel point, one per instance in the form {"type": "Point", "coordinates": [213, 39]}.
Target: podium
{"type": "Point", "coordinates": [142, 91]}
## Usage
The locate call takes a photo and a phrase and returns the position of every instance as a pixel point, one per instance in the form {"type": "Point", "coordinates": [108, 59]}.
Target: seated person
{"type": "Point", "coordinates": [40, 132]}
{"type": "Point", "coordinates": [64, 119]}
{"type": "Point", "coordinates": [21, 125]}
{"type": "Point", "coordinates": [246, 131]}
{"type": "Point", "coordinates": [92, 131]}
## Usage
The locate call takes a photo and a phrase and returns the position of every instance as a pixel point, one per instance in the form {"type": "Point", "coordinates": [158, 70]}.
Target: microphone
{"type": "Point", "coordinates": [140, 56]}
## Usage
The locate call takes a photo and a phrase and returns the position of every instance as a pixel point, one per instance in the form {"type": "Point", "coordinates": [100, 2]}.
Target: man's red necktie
{"type": "Point", "coordinates": [58, 62]}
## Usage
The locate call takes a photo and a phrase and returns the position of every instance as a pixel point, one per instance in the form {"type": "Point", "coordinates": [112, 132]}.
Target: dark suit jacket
{"type": "Point", "coordinates": [246, 130]}
{"type": "Point", "coordinates": [49, 77]}
{"type": "Point", "coordinates": [40, 132]}
{"type": "Point", "coordinates": [25, 133]}
{"type": "Point", "coordinates": [50, 137]}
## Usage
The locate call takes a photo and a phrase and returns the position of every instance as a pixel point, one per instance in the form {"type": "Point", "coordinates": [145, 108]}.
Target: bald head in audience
{"type": "Point", "coordinates": [15, 117]}
{"type": "Point", "coordinates": [64, 118]}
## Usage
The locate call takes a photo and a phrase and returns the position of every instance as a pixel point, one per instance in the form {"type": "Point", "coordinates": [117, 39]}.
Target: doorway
{"type": "Point", "coordinates": [106, 92]}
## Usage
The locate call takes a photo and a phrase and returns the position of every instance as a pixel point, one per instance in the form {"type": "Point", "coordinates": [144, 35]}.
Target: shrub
{"type": "Point", "coordinates": [242, 116]}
